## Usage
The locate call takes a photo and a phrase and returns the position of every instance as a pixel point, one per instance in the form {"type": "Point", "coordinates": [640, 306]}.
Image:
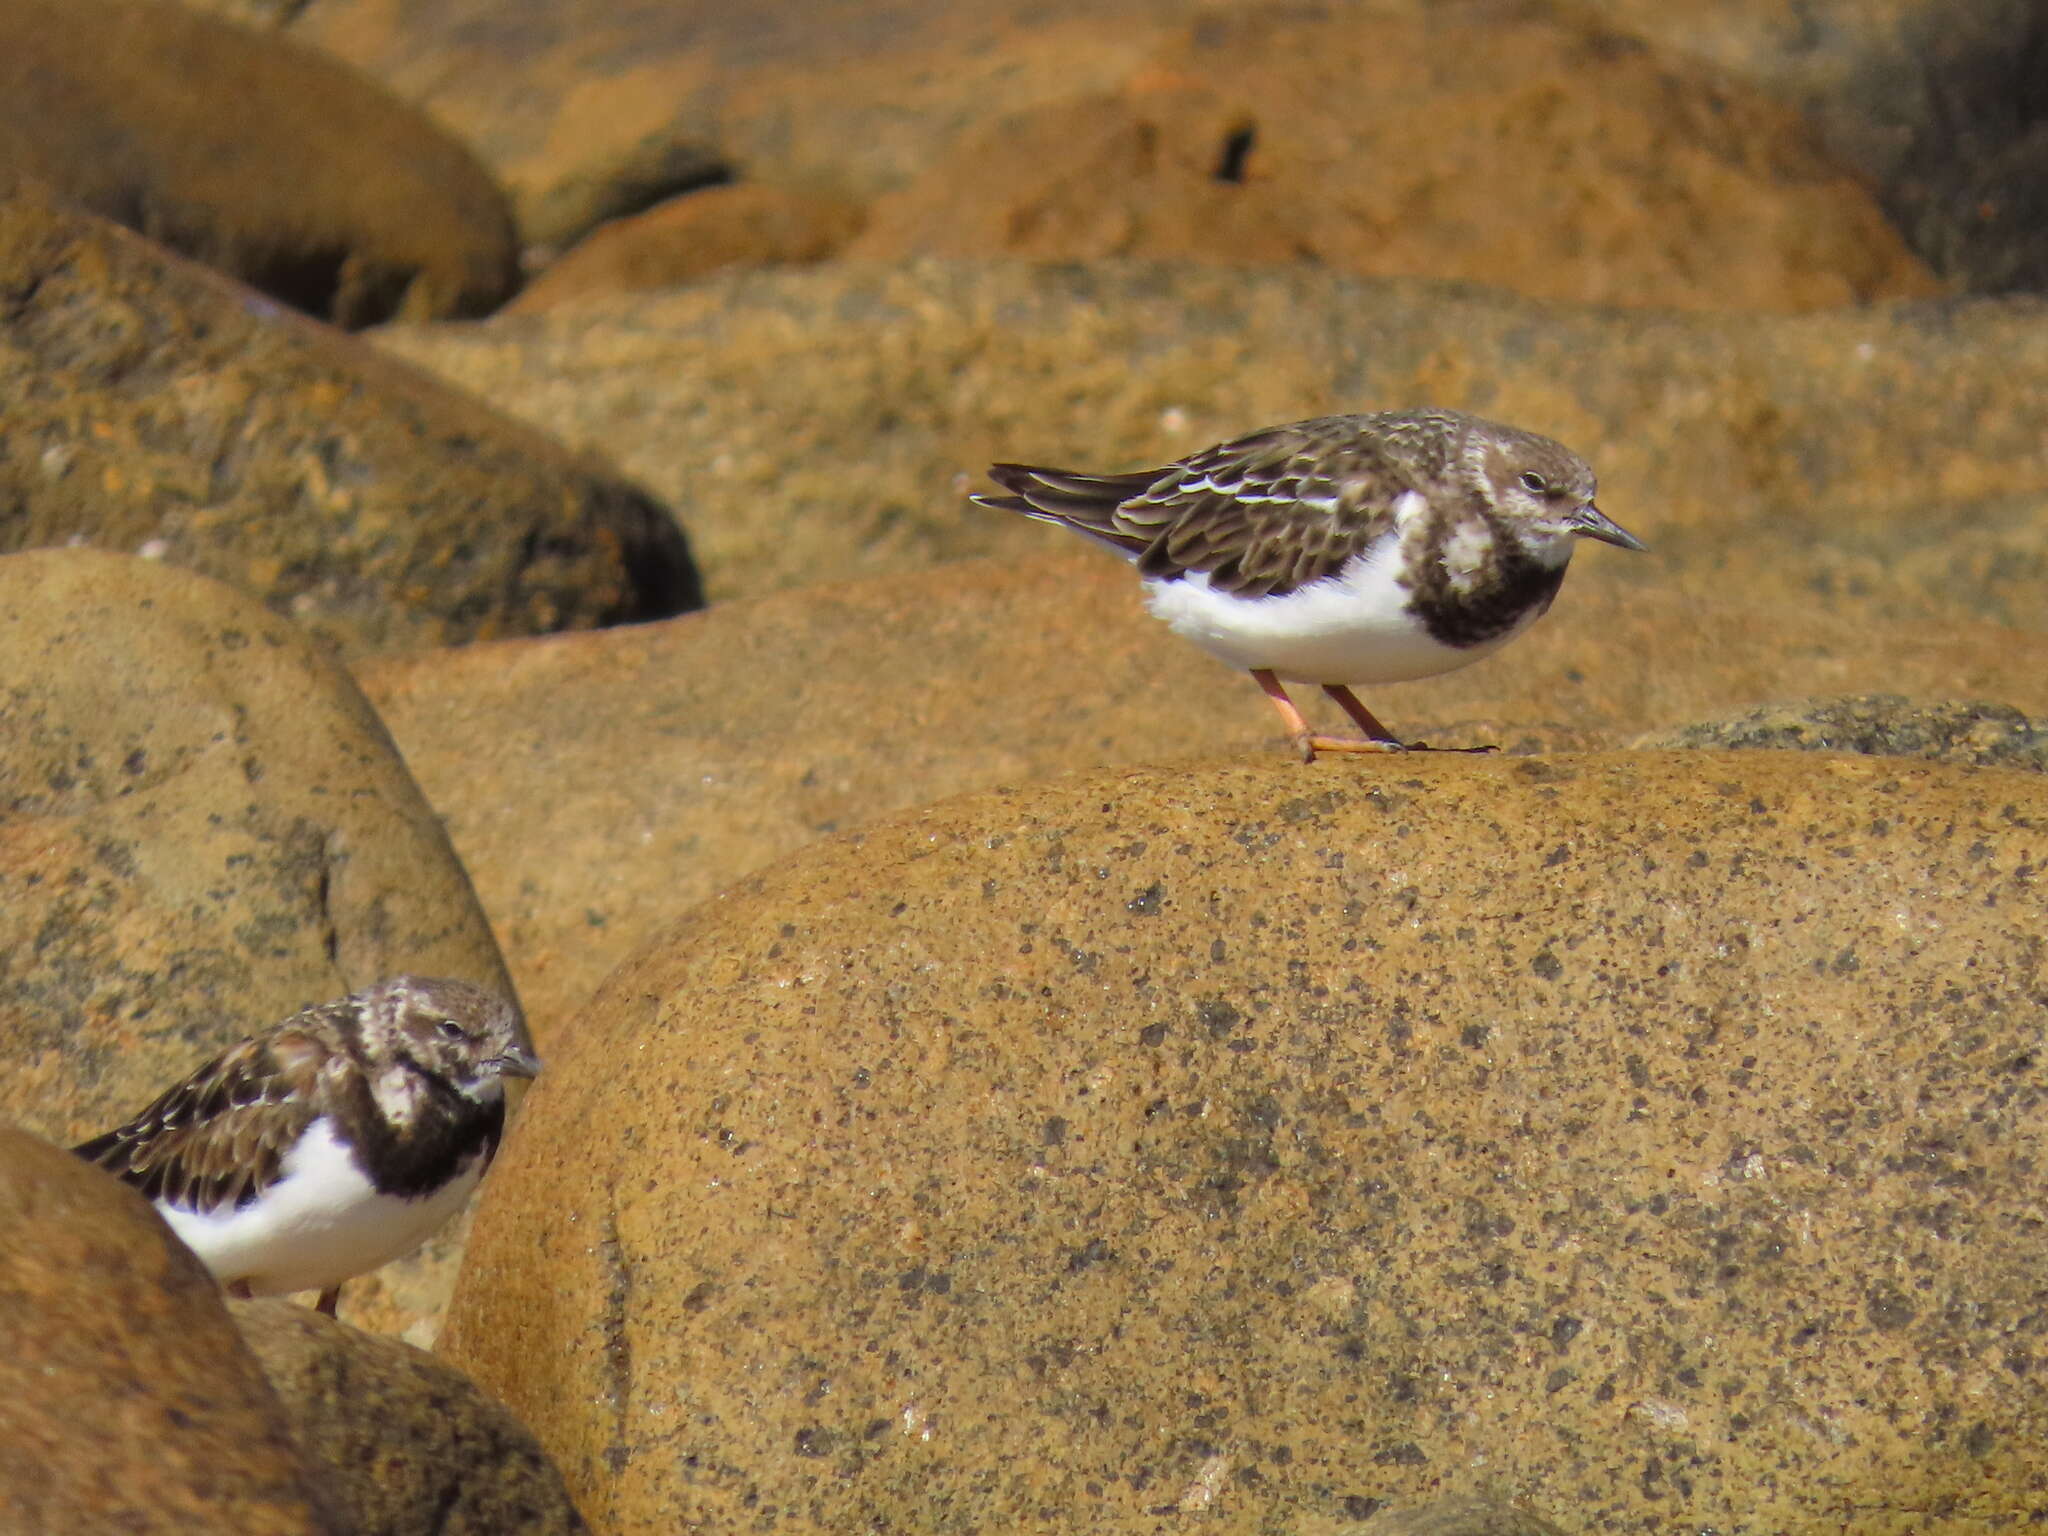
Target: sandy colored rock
{"type": "Point", "coordinates": [1423, 146]}
{"type": "Point", "coordinates": [289, 169]}
{"type": "Point", "coordinates": [568, 101]}
{"type": "Point", "coordinates": [824, 423]}
{"type": "Point", "coordinates": [633, 773]}
{"type": "Point", "coordinates": [407, 1445]}
{"type": "Point", "coordinates": [1988, 735]}
{"type": "Point", "coordinates": [688, 237]}
{"type": "Point", "coordinates": [1458, 1517]}
{"type": "Point", "coordinates": [127, 1400]}
{"type": "Point", "coordinates": [205, 829]}
{"type": "Point", "coordinates": [577, 101]}
{"type": "Point", "coordinates": [150, 405]}
{"type": "Point", "coordinates": [1652, 1137]}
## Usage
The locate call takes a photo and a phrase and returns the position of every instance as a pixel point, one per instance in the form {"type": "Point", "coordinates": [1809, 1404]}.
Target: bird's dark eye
{"type": "Point", "coordinates": [450, 1030]}
{"type": "Point", "coordinates": [1534, 483]}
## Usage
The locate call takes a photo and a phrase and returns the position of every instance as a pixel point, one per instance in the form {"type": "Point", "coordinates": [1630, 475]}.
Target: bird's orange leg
{"type": "Point", "coordinates": [1368, 722]}
{"type": "Point", "coordinates": [1305, 741]}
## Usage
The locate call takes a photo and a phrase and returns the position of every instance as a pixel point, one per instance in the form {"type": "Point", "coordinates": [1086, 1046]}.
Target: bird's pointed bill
{"type": "Point", "coordinates": [1590, 522]}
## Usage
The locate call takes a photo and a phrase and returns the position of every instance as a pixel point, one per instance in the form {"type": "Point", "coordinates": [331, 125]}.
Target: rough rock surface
{"type": "Point", "coordinates": [127, 1400]}
{"type": "Point", "coordinates": [1423, 146]}
{"type": "Point", "coordinates": [593, 107]}
{"type": "Point", "coordinates": [407, 1445]}
{"type": "Point", "coordinates": [150, 405]}
{"type": "Point", "coordinates": [598, 785]}
{"type": "Point", "coordinates": [287, 168]}
{"type": "Point", "coordinates": [1810, 459]}
{"type": "Point", "coordinates": [686, 238]}
{"type": "Point", "coordinates": [1883, 725]}
{"type": "Point", "coordinates": [1458, 1517]}
{"type": "Point", "coordinates": [203, 828]}
{"type": "Point", "coordinates": [1654, 1136]}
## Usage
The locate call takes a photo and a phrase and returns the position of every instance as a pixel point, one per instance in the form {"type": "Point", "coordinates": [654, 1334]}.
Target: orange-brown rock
{"type": "Point", "coordinates": [596, 786]}
{"type": "Point", "coordinates": [254, 153]}
{"type": "Point", "coordinates": [153, 406]}
{"type": "Point", "coordinates": [570, 100]}
{"type": "Point", "coordinates": [824, 423]}
{"type": "Point", "coordinates": [1556, 162]}
{"type": "Point", "coordinates": [127, 1400]}
{"type": "Point", "coordinates": [406, 1445]}
{"type": "Point", "coordinates": [1651, 1137]}
{"type": "Point", "coordinates": [206, 829]}
{"type": "Point", "coordinates": [683, 239]}
{"type": "Point", "coordinates": [592, 107]}
{"type": "Point", "coordinates": [1948, 731]}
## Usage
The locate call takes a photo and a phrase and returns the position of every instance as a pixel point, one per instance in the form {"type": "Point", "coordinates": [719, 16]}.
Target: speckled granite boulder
{"type": "Point", "coordinates": [1881, 725]}
{"type": "Point", "coordinates": [1457, 1517]}
{"type": "Point", "coordinates": [255, 154]}
{"type": "Point", "coordinates": [203, 828]}
{"type": "Point", "coordinates": [1653, 1138]}
{"type": "Point", "coordinates": [406, 1444]}
{"type": "Point", "coordinates": [597, 785]}
{"type": "Point", "coordinates": [127, 1400]}
{"type": "Point", "coordinates": [151, 405]}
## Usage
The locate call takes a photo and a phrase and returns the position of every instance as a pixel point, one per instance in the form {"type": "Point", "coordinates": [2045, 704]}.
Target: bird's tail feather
{"type": "Point", "coordinates": [1085, 503]}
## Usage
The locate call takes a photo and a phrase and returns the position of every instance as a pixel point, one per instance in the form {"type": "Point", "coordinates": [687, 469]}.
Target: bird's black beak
{"type": "Point", "coordinates": [516, 1062]}
{"type": "Point", "coordinates": [1591, 523]}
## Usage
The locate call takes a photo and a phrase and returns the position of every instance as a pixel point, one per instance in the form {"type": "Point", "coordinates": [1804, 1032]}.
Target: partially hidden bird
{"type": "Point", "coordinates": [333, 1142]}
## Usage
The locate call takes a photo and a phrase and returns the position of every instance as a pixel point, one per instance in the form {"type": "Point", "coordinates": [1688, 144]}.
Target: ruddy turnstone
{"type": "Point", "coordinates": [331, 1143]}
{"type": "Point", "coordinates": [1340, 551]}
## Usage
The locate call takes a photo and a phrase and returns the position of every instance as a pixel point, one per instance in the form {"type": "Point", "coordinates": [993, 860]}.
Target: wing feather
{"type": "Point", "coordinates": [1262, 515]}
{"type": "Point", "coordinates": [219, 1137]}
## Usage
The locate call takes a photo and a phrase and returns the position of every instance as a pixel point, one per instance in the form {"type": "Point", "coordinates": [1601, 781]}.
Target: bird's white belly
{"type": "Point", "coordinates": [1353, 627]}
{"type": "Point", "coordinates": [319, 1225]}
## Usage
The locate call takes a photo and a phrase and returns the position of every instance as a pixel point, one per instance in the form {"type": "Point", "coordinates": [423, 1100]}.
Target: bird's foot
{"type": "Point", "coordinates": [1309, 744]}
{"type": "Point", "coordinates": [1423, 746]}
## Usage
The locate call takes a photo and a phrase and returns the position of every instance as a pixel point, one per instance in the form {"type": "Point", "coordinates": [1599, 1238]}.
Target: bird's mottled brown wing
{"type": "Point", "coordinates": [219, 1137]}
{"type": "Point", "coordinates": [1261, 515]}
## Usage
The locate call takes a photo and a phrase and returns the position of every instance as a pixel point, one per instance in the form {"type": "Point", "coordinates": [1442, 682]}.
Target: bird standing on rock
{"type": "Point", "coordinates": [333, 1142]}
{"type": "Point", "coordinates": [1340, 551]}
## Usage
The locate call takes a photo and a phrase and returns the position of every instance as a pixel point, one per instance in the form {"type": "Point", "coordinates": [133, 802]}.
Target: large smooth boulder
{"type": "Point", "coordinates": [128, 1402]}
{"type": "Point", "coordinates": [825, 423]}
{"type": "Point", "coordinates": [205, 828]}
{"type": "Point", "coordinates": [406, 1444]}
{"type": "Point", "coordinates": [1652, 1137]}
{"type": "Point", "coordinates": [1423, 146]}
{"type": "Point", "coordinates": [253, 153]}
{"type": "Point", "coordinates": [597, 785]}
{"type": "Point", "coordinates": [687, 238]}
{"type": "Point", "coordinates": [151, 405]}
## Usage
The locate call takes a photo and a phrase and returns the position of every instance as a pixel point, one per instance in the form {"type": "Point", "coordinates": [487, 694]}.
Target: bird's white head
{"type": "Point", "coordinates": [434, 1027]}
{"type": "Point", "coordinates": [1540, 490]}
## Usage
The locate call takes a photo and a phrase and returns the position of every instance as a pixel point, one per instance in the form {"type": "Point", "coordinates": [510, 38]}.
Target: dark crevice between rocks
{"type": "Point", "coordinates": [1237, 149]}
{"type": "Point", "coordinates": [618, 1346]}
{"type": "Point", "coordinates": [633, 197]}
{"type": "Point", "coordinates": [661, 573]}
